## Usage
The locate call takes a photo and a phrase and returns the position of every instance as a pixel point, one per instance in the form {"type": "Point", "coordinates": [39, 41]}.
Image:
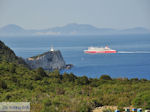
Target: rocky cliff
{"type": "Point", "coordinates": [49, 61]}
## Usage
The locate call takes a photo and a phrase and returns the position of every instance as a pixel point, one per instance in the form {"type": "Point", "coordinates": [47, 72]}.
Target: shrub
{"type": "Point", "coordinates": [134, 79]}
{"type": "Point", "coordinates": [94, 82]}
{"type": "Point", "coordinates": [96, 103]}
{"type": "Point", "coordinates": [37, 77]}
{"type": "Point", "coordinates": [105, 77]}
{"type": "Point", "coordinates": [82, 80]}
{"type": "Point", "coordinates": [14, 79]}
{"type": "Point", "coordinates": [12, 68]}
{"type": "Point", "coordinates": [142, 100]}
{"type": "Point", "coordinates": [55, 74]}
{"type": "Point", "coordinates": [29, 85]}
{"type": "Point", "coordinates": [144, 80]}
{"type": "Point", "coordinates": [84, 107]}
{"type": "Point", "coordinates": [60, 91]}
{"type": "Point", "coordinates": [47, 102]}
{"type": "Point", "coordinates": [41, 72]}
{"type": "Point", "coordinates": [46, 107]}
{"type": "Point", "coordinates": [3, 84]}
{"type": "Point", "coordinates": [69, 77]}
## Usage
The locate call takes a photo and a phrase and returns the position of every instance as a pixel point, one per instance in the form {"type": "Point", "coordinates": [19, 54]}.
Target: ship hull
{"type": "Point", "coordinates": [93, 52]}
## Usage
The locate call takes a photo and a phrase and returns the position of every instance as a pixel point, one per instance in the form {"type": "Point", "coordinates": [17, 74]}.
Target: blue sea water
{"type": "Point", "coordinates": [131, 61]}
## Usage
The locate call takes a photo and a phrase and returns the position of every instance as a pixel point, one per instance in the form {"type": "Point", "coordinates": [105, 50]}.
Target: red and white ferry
{"type": "Point", "coordinates": [105, 49]}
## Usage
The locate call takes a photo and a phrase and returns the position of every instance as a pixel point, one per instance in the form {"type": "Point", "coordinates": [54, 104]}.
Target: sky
{"type": "Point", "coordinates": [41, 14]}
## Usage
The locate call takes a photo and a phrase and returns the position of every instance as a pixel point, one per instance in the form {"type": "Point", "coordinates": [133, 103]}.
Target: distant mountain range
{"type": "Point", "coordinates": [69, 29]}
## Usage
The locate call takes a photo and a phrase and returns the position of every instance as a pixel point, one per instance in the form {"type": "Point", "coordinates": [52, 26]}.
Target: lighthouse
{"type": "Point", "coordinates": [52, 49]}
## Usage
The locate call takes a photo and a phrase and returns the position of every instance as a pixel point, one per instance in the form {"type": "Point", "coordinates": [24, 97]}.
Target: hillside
{"type": "Point", "coordinates": [6, 54]}
{"type": "Point", "coordinates": [66, 92]}
{"type": "Point", "coordinates": [69, 29]}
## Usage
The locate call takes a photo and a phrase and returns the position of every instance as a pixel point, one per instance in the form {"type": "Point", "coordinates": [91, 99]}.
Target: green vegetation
{"type": "Point", "coordinates": [6, 54]}
{"type": "Point", "coordinates": [67, 92]}
{"type": "Point", "coordinates": [105, 77]}
{"type": "Point", "coordinates": [108, 110]}
{"type": "Point", "coordinates": [55, 92]}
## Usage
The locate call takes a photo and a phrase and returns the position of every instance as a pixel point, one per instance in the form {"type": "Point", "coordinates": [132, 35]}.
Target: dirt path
{"type": "Point", "coordinates": [100, 109]}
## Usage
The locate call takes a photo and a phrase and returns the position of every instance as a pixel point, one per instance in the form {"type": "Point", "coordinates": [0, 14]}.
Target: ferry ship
{"type": "Point", "coordinates": [105, 49]}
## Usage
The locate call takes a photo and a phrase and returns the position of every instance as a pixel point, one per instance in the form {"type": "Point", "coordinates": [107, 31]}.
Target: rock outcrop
{"type": "Point", "coordinates": [48, 61]}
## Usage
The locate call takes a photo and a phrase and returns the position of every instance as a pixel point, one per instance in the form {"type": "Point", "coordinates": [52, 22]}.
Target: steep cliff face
{"type": "Point", "coordinates": [49, 61]}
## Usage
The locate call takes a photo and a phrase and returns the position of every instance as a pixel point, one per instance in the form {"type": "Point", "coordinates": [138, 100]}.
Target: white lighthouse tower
{"type": "Point", "coordinates": [52, 49]}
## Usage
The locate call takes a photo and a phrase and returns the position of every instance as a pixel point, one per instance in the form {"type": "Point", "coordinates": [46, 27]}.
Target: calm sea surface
{"type": "Point", "coordinates": [132, 59]}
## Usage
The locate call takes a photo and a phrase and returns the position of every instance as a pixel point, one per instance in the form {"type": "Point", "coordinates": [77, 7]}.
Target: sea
{"type": "Point", "coordinates": [131, 61]}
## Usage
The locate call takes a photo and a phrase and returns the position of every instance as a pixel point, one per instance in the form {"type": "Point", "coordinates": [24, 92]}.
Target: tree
{"type": "Point", "coordinates": [40, 71]}
{"type": "Point", "coordinates": [69, 77]}
{"type": "Point", "coordinates": [3, 84]}
{"type": "Point", "coordinates": [82, 80]}
{"type": "Point", "coordinates": [55, 74]}
{"type": "Point", "coordinates": [105, 77]}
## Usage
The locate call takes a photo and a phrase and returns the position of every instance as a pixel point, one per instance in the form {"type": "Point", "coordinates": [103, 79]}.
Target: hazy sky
{"type": "Point", "coordinates": [39, 14]}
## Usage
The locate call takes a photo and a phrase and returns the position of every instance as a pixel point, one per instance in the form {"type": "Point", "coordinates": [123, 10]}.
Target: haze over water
{"type": "Point", "coordinates": [131, 61]}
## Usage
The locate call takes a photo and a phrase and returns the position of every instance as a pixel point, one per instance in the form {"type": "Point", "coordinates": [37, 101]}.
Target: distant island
{"type": "Point", "coordinates": [69, 29]}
